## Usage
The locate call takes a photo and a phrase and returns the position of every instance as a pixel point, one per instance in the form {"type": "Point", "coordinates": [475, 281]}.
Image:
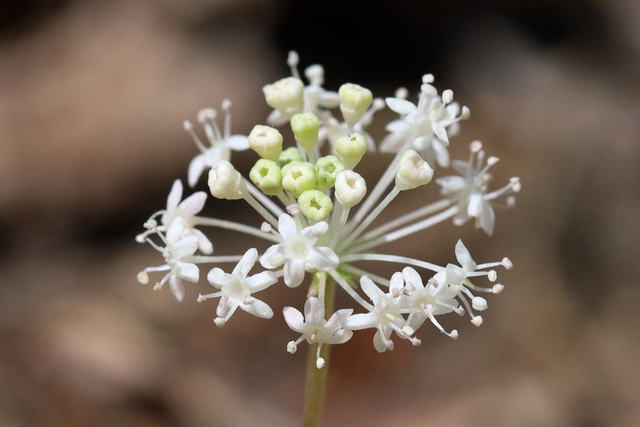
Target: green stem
{"type": "Point", "coordinates": [317, 378]}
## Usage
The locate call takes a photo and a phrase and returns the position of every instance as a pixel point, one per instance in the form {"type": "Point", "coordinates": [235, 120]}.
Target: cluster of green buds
{"type": "Point", "coordinates": [297, 175]}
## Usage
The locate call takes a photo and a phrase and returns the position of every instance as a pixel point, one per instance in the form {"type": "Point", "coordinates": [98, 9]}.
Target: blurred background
{"type": "Point", "coordinates": [92, 99]}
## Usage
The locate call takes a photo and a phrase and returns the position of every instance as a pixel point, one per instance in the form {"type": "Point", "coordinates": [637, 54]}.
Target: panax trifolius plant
{"type": "Point", "coordinates": [317, 213]}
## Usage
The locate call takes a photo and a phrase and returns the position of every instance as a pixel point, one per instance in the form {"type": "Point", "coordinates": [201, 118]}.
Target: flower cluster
{"type": "Point", "coordinates": [317, 212]}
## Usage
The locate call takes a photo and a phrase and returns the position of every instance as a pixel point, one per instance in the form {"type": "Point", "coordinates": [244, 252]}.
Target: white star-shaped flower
{"type": "Point", "coordinates": [236, 289]}
{"type": "Point", "coordinates": [221, 143]}
{"type": "Point", "coordinates": [385, 315]}
{"type": "Point", "coordinates": [315, 329]}
{"type": "Point", "coordinates": [176, 252]}
{"type": "Point", "coordinates": [298, 252]}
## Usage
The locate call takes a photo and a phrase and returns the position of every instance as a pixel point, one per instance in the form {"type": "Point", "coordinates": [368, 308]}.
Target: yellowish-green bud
{"type": "Point", "coordinates": [225, 182]}
{"type": "Point", "coordinates": [327, 168]}
{"type": "Point", "coordinates": [350, 188]}
{"type": "Point", "coordinates": [286, 96]}
{"type": "Point", "coordinates": [298, 177]}
{"type": "Point", "coordinates": [305, 128]}
{"type": "Point", "coordinates": [315, 205]}
{"type": "Point", "coordinates": [351, 148]}
{"type": "Point", "coordinates": [266, 141]}
{"type": "Point", "coordinates": [354, 102]}
{"type": "Point", "coordinates": [413, 171]}
{"type": "Point", "coordinates": [266, 175]}
{"type": "Point", "coordinates": [291, 154]}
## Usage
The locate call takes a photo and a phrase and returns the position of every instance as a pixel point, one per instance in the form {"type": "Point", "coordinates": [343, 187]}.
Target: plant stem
{"type": "Point", "coordinates": [317, 378]}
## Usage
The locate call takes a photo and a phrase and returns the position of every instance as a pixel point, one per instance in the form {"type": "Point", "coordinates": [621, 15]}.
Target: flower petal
{"type": "Point", "coordinates": [315, 230]}
{"type": "Point", "coordinates": [261, 281]}
{"type": "Point", "coordinates": [488, 218]}
{"type": "Point", "coordinates": [323, 259]}
{"type": "Point", "coordinates": [196, 167]}
{"type": "Point", "coordinates": [204, 244]}
{"type": "Point", "coordinates": [287, 226]}
{"type": "Point", "coordinates": [193, 204]}
{"type": "Point", "coordinates": [401, 106]}
{"type": "Point", "coordinates": [185, 246]}
{"type": "Point", "coordinates": [237, 142]}
{"type": "Point", "coordinates": [177, 287]}
{"type": "Point", "coordinates": [294, 319]}
{"type": "Point", "coordinates": [371, 289]}
{"type": "Point", "coordinates": [273, 256]}
{"type": "Point", "coordinates": [464, 257]}
{"type": "Point", "coordinates": [258, 308]}
{"type": "Point", "coordinates": [411, 277]}
{"type": "Point", "coordinates": [188, 271]}
{"type": "Point", "coordinates": [379, 342]}
{"type": "Point", "coordinates": [174, 195]}
{"type": "Point", "coordinates": [361, 321]}
{"type": "Point", "coordinates": [314, 311]}
{"type": "Point", "coordinates": [246, 263]}
{"type": "Point", "coordinates": [293, 272]}
{"type": "Point", "coordinates": [217, 277]}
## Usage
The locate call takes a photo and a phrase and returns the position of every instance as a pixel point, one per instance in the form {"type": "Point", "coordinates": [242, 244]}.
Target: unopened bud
{"type": "Point", "coordinates": [350, 188]}
{"type": "Point", "coordinates": [266, 175]}
{"type": "Point", "coordinates": [266, 141]}
{"type": "Point", "coordinates": [315, 205]}
{"type": "Point", "coordinates": [225, 182]}
{"type": "Point", "coordinates": [305, 128]}
{"type": "Point", "coordinates": [327, 169]}
{"type": "Point", "coordinates": [351, 148]}
{"type": "Point", "coordinates": [291, 154]}
{"type": "Point", "coordinates": [285, 95]}
{"type": "Point", "coordinates": [413, 171]}
{"type": "Point", "coordinates": [298, 177]}
{"type": "Point", "coordinates": [354, 102]}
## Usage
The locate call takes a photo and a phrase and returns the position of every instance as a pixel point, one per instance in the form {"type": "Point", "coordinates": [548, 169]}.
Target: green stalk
{"type": "Point", "coordinates": [316, 386]}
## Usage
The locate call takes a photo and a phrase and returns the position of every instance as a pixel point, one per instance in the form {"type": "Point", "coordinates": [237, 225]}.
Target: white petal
{"type": "Point", "coordinates": [416, 118]}
{"type": "Point", "coordinates": [273, 257]}
{"type": "Point", "coordinates": [177, 287]}
{"type": "Point", "coordinates": [401, 106]}
{"type": "Point", "coordinates": [379, 343]}
{"type": "Point", "coordinates": [322, 258]}
{"type": "Point", "coordinates": [217, 277]}
{"type": "Point", "coordinates": [340, 337]}
{"type": "Point", "coordinates": [237, 142]}
{"type": "Point", "coordinates": [361, 321]}
{"type": "Point", "coordinates": [185, 246]}
{"type": "Point", "coordinates": [258, 308]}
{"type": "Point", "coordinates": [246, 263]}
{"type": "Point", "coordinates": [464, 257]}
{"type": "Point", "coordinates": [261, 281]}
{"type": "Point", "coordinates": [475, 204]}
{"type": "Point", "coordinates": [338, 319]}
{"type": "Point", "coordinates": [411, 277]}
{"type": "Point", "coordinates": [314, 311]}
{"type": "Point", "coordinates": [287, 226]}
{"type": "Point", "coordinates": [196, 167]}
{"type": "Point", "coordinates": [454, 275]}
{"type": "Point", "coordinates": [193, 204]}
{"type": "Point", "coordinates": [461, 166]}
{"type": "Point", "coordinates": [294, 319]}
{"type": "Point", "coordinates": [188, 271]}
{"type": "Point", "coordinates": [451, 184]}
{"type": "Point", "coordinates": [315, 230]}
{"type": "Point", "coordinates": [442, 154]}
{"type": "Point", "coordinates": [371, 289]}
{"type": "Point", "coordinates": [396, 283]}
{"type": "Point", "coordinates": [440, 132]}
{"type": "Point", "coordinates": [175, 230]}
{"type": "Point", "coordinates": [293, 273]}
{"type": "Point", "coordinates": [488, 218]}
{"type": "Point", "coordinates": [204, 244]}
{"type": "Point", "coordinates": [174, 195]}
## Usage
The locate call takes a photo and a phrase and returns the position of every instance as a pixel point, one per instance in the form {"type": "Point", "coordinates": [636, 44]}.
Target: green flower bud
{"type": "Point", "coordinates": [413, 171]}
{"type": "Point", "coordinates": [266, 175]}
{"type": "Point", "coordinates": [305, 128]}
{"type": "Point", "coordinates": [315, 205]}
{"type": "Point", "coordinates": [298, 177]}
{"type": "Point", "coordinates": [291, 154]}
{"type": "Point", "coordinates": [285, 95]}
{"type": "Point", "coordinates": [351, 148]}
{"type": "Point", "coordinates": [327, 168]}
{"type": "Point", "coordinates": [266, 141]}
{"type": "Point", "coordinates": [225, 182]}
{"type": "Point", "coordinates": [350, 188]}
{"type": "Point", "coordinates": [354, 102]}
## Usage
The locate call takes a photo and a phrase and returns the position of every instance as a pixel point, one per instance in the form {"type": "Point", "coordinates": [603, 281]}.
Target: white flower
{"type": "Point", "coordinates": [426, 302]}
{"type": "Point", "coordinates": [457, 277]}
{"type": "Point", "coordinates": [385, 315]}
{"type": "Point", "coordinates": [298, 252]}
{"type": "Point", "coordinates": [315, 329]}
{"type": "Point", "coordinates": [236, 289]}
{"type": "Point", "coordinates": [424, 124]}
{"type": "Point", "coordinates": [470, 189]}
{"type": "Point", "coordinates": [175, 253]}
{"type": "Point", "coordinates": [221, 143]}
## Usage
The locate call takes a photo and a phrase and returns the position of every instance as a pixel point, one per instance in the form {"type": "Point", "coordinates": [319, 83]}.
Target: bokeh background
{"type": "Point", "coordinates": [92, 99]}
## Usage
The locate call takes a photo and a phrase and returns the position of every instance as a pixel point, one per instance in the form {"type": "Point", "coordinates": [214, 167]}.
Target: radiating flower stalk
{"type": "Point", "coordinates": [318, 213]}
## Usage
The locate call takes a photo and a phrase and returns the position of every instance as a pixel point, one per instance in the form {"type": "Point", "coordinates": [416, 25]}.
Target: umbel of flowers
{"type": "Point", "coordinates": [317, 212]}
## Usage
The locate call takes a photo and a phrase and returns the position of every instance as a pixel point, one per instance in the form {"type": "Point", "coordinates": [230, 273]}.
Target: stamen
{"type": "Point", "coordinates": [292, 61]}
